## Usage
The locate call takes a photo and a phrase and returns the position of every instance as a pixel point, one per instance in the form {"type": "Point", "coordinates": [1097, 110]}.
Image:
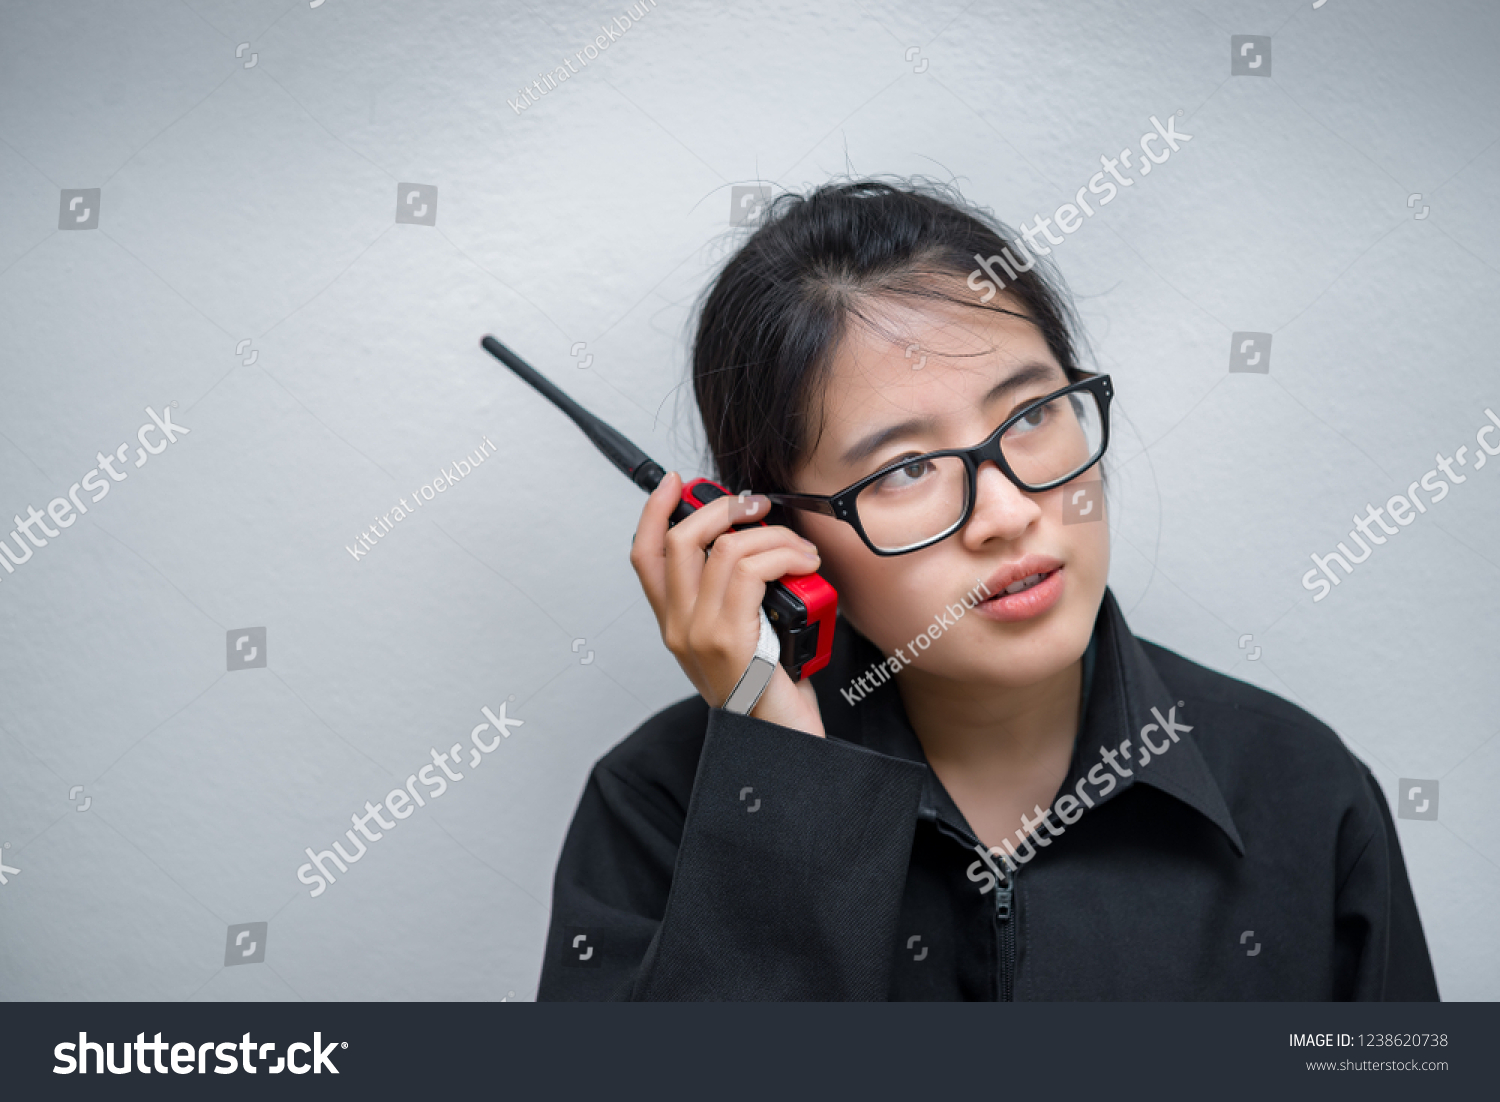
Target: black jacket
{"type": "Point", "coordinates": [715, 856]}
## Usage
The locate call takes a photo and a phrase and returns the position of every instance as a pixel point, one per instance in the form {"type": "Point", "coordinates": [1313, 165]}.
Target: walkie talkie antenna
{"type": "Point", "coordinates": [799, 608]}
{"type": "Point", "coordinates": [636, 464]}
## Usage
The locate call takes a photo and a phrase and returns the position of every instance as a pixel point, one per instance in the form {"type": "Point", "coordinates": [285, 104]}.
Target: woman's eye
{"type": "Point", "coordinates": [911, 473]}
{"type": "Point", "coordinates": [1030, 420]}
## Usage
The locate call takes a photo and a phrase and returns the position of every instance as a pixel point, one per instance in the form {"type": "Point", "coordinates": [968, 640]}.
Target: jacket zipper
{"type": "Point", "coordinates": [1006, 934]}
{"type": "Point", "coordinates": [1005, 905]}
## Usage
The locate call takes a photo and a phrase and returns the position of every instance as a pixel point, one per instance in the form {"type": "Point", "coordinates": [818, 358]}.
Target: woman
{"type": "Point", "coordinates": [994, 790]}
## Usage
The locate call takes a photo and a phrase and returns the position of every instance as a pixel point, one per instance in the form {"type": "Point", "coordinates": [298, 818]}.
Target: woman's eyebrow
{"type": "Point", "coordinates": [868, 445]}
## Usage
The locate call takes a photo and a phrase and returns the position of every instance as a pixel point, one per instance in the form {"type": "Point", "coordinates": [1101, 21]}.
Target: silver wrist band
{"type": "Point", "coordinates": [757, 675]}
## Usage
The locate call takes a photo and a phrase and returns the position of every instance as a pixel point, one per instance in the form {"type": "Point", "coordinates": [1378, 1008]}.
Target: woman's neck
{"type": "Point", "coordinates": [986, 733]}
{"type": "Point", "coordinates": [1001, 753]}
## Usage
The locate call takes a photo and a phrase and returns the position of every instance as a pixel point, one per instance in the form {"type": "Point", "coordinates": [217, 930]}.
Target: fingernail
{"type": "Point", "coordinates": [747, 506]}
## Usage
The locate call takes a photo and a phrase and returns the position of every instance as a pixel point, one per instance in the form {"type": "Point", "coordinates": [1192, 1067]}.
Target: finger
{"type": "Point", "coordinates": [731, 548]}
{"type": "Point", "coordinates": [723, 636]}
{"type": "Point", "coordinates": [746, 586]}
{"type": "Point", "coordinates": [717, 517]}
{"type": "Point", "coordinates": [648, 551]}
{"type": "Point", "coordinates": [687, 543]}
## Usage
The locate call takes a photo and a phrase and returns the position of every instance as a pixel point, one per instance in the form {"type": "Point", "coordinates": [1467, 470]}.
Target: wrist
{"type": "Point", "coordinates": [790, 705]}
{"type": "Point", "coordinates": [757, 675]}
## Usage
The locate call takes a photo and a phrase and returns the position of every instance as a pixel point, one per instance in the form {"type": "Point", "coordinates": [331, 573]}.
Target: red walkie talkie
{"type": "Point", "coordinates": [801, 607]}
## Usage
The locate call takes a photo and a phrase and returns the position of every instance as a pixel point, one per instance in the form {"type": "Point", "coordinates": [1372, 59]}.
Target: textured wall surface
{"type": "Point", "coordinates": [205, 213]}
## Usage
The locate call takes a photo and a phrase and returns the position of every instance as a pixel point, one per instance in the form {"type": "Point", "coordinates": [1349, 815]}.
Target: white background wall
{"type": "Point", "coordinates": [258, 203]}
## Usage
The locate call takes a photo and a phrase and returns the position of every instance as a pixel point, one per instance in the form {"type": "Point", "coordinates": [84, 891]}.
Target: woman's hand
{"type": "Point", "coordinates": [708, 605]}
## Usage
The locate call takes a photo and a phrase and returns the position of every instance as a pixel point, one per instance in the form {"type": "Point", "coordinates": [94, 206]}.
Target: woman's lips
{"type": "Point", "coordinates": [1010, 607]}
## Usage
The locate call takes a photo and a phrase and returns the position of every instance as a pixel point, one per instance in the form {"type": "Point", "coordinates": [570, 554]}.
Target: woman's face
{"type": "Point", "coordinates": [886, 400]}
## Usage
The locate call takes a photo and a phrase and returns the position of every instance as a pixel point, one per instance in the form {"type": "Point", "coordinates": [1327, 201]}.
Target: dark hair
{"type": "Point", "coordinates": [769, 323]}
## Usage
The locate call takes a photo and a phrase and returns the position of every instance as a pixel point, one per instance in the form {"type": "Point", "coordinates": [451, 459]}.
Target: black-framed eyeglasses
{"type": "Point", "coordinates": [917, 501]}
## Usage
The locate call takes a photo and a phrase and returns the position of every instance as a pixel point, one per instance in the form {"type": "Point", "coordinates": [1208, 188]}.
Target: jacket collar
{"type": "Point", "coordinates": [1126, 700]}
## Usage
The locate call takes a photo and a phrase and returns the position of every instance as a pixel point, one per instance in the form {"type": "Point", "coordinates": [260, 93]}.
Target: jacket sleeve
{"type": "Point", "coordinates": [782, 878]}
{"type": "Point", "coordinates": [1381, 950]}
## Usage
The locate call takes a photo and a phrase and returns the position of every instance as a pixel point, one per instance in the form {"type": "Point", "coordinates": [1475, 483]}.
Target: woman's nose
{"type": "Point", "coordinates": [1001, 509]}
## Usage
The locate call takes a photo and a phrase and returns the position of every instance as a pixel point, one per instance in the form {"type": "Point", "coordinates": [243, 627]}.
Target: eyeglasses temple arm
{"type": "Point", "coordinates": [802, 501]}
